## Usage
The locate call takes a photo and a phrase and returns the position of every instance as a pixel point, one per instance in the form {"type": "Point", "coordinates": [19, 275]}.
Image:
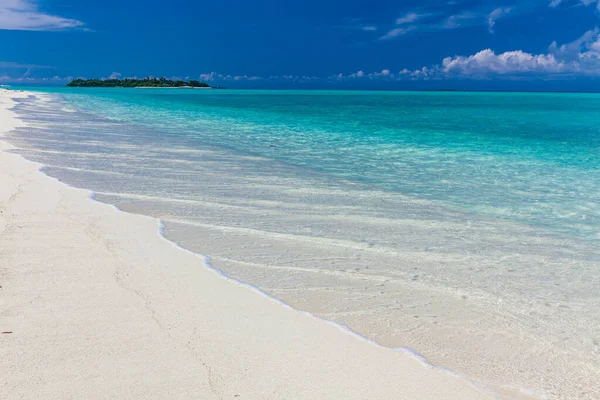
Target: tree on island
{"type": "Point", "coordinates": [129, 82]}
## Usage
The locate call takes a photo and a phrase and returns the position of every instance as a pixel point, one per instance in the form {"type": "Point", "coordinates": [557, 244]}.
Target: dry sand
{"type": "Point", "coordinates": [97, 305]}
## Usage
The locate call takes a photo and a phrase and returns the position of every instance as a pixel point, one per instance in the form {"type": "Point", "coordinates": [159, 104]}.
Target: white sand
{"type": "Point", "coordinates": [101, 307]}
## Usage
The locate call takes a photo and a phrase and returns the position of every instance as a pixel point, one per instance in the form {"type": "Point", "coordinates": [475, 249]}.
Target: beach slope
{"type": "Point", "coordinates": [95, 304]}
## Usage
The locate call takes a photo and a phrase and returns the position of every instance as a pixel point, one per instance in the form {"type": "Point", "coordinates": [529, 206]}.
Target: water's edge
{"type": "Point", "coordinates": [206, 263]}
{"type": "Point", "coordinates": [455, 263]}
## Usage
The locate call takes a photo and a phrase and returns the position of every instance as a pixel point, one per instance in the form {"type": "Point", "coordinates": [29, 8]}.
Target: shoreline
{"type": "Point", "coordinates": [202, 334]}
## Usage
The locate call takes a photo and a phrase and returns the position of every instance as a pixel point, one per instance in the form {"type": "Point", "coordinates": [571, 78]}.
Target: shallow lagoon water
{"type": "Point", "coordinates": [462, 225]}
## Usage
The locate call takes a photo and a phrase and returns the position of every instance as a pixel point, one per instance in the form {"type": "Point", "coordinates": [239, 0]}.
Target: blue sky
{"type": "Point", "coordinates": [495, 44]}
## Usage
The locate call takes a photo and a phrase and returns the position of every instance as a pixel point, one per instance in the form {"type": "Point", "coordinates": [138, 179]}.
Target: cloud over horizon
{"type": "Point", "coordinates": [580, 57]}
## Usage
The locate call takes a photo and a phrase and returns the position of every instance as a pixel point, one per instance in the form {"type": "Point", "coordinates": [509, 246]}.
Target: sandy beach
{"type": "Point", "coordinates": [95, 304]}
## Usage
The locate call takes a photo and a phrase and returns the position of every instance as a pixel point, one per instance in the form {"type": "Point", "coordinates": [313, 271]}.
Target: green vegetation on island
{"type": "Point", "coordinates": [130, 82]}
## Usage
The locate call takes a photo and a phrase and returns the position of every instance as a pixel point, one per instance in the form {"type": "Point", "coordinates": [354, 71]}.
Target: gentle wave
{"type": "Point", "coordinates": [468, 284]}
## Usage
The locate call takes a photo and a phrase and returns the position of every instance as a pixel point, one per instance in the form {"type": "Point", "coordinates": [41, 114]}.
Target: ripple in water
{"type": "Point", "coordinates": [476, 247]}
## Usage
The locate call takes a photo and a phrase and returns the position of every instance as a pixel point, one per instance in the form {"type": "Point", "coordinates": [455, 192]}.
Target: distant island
{"type": "Point", "coordinates": [133, 83]}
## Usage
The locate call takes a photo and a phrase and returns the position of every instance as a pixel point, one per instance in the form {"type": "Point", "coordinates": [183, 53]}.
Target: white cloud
{"type": "Point", "coordinates": [29, 80]}
{"type": "Point", "coordinates": [214, 76]}
{"type": "Point", "coordinates": [25, 15]}
{"type": "Point", "coordinates": [437, 21]}
{"type": "Point", "coordinates": [354, 75]}
{"type": "Point", "coordinates": [588, 2]}
{"type": "Point", "coordinates": [114, 75]}
{"type": "Point", "coordinates": [383, 74]}
{"type": "Point", "coordinates": [208, 77]}
{"type": "Point", "coordinates": [19, 71]}
{"type": "Point", "coordinates": [570, 51]}
{"type": "Point", "coordinates": [556, 3]}
{"type": "Point", "coordinates": [14, 65]}
{"type": "Point", "coordinates": [397, 32]}
{"type": "Point", "coordinates": [294, 78]}
{"type": "Point", "coordinates": [476, 14]}
{"type": "Point", "coordinates": [359, 24]}
{"type": "Point", "coordinates": [407, 23]}
{"type": "Point", "coordinates": [409, 18]}
{"type": "Point", "coordinates": [510, 62]}
{"type": "Point", "coordinates": [495, 15]}
{"type": "Point", "coordinates": [459, 20]}
{"type": "Point", "coordinates": [580, 57]}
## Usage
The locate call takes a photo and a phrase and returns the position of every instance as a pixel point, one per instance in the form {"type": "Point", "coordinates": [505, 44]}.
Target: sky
{"type": "Point", "coordinates": [432, 44]}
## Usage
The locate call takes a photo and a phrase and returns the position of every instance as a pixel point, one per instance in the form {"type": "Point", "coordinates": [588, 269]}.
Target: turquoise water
{"type": "Point", "coordinates": [529, 157]}
{"type": "Point", "coordinates": [462, 225]}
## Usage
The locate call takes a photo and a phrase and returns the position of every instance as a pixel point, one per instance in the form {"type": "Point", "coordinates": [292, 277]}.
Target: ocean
{"type": "Point", "coordinates": [462, 225]}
